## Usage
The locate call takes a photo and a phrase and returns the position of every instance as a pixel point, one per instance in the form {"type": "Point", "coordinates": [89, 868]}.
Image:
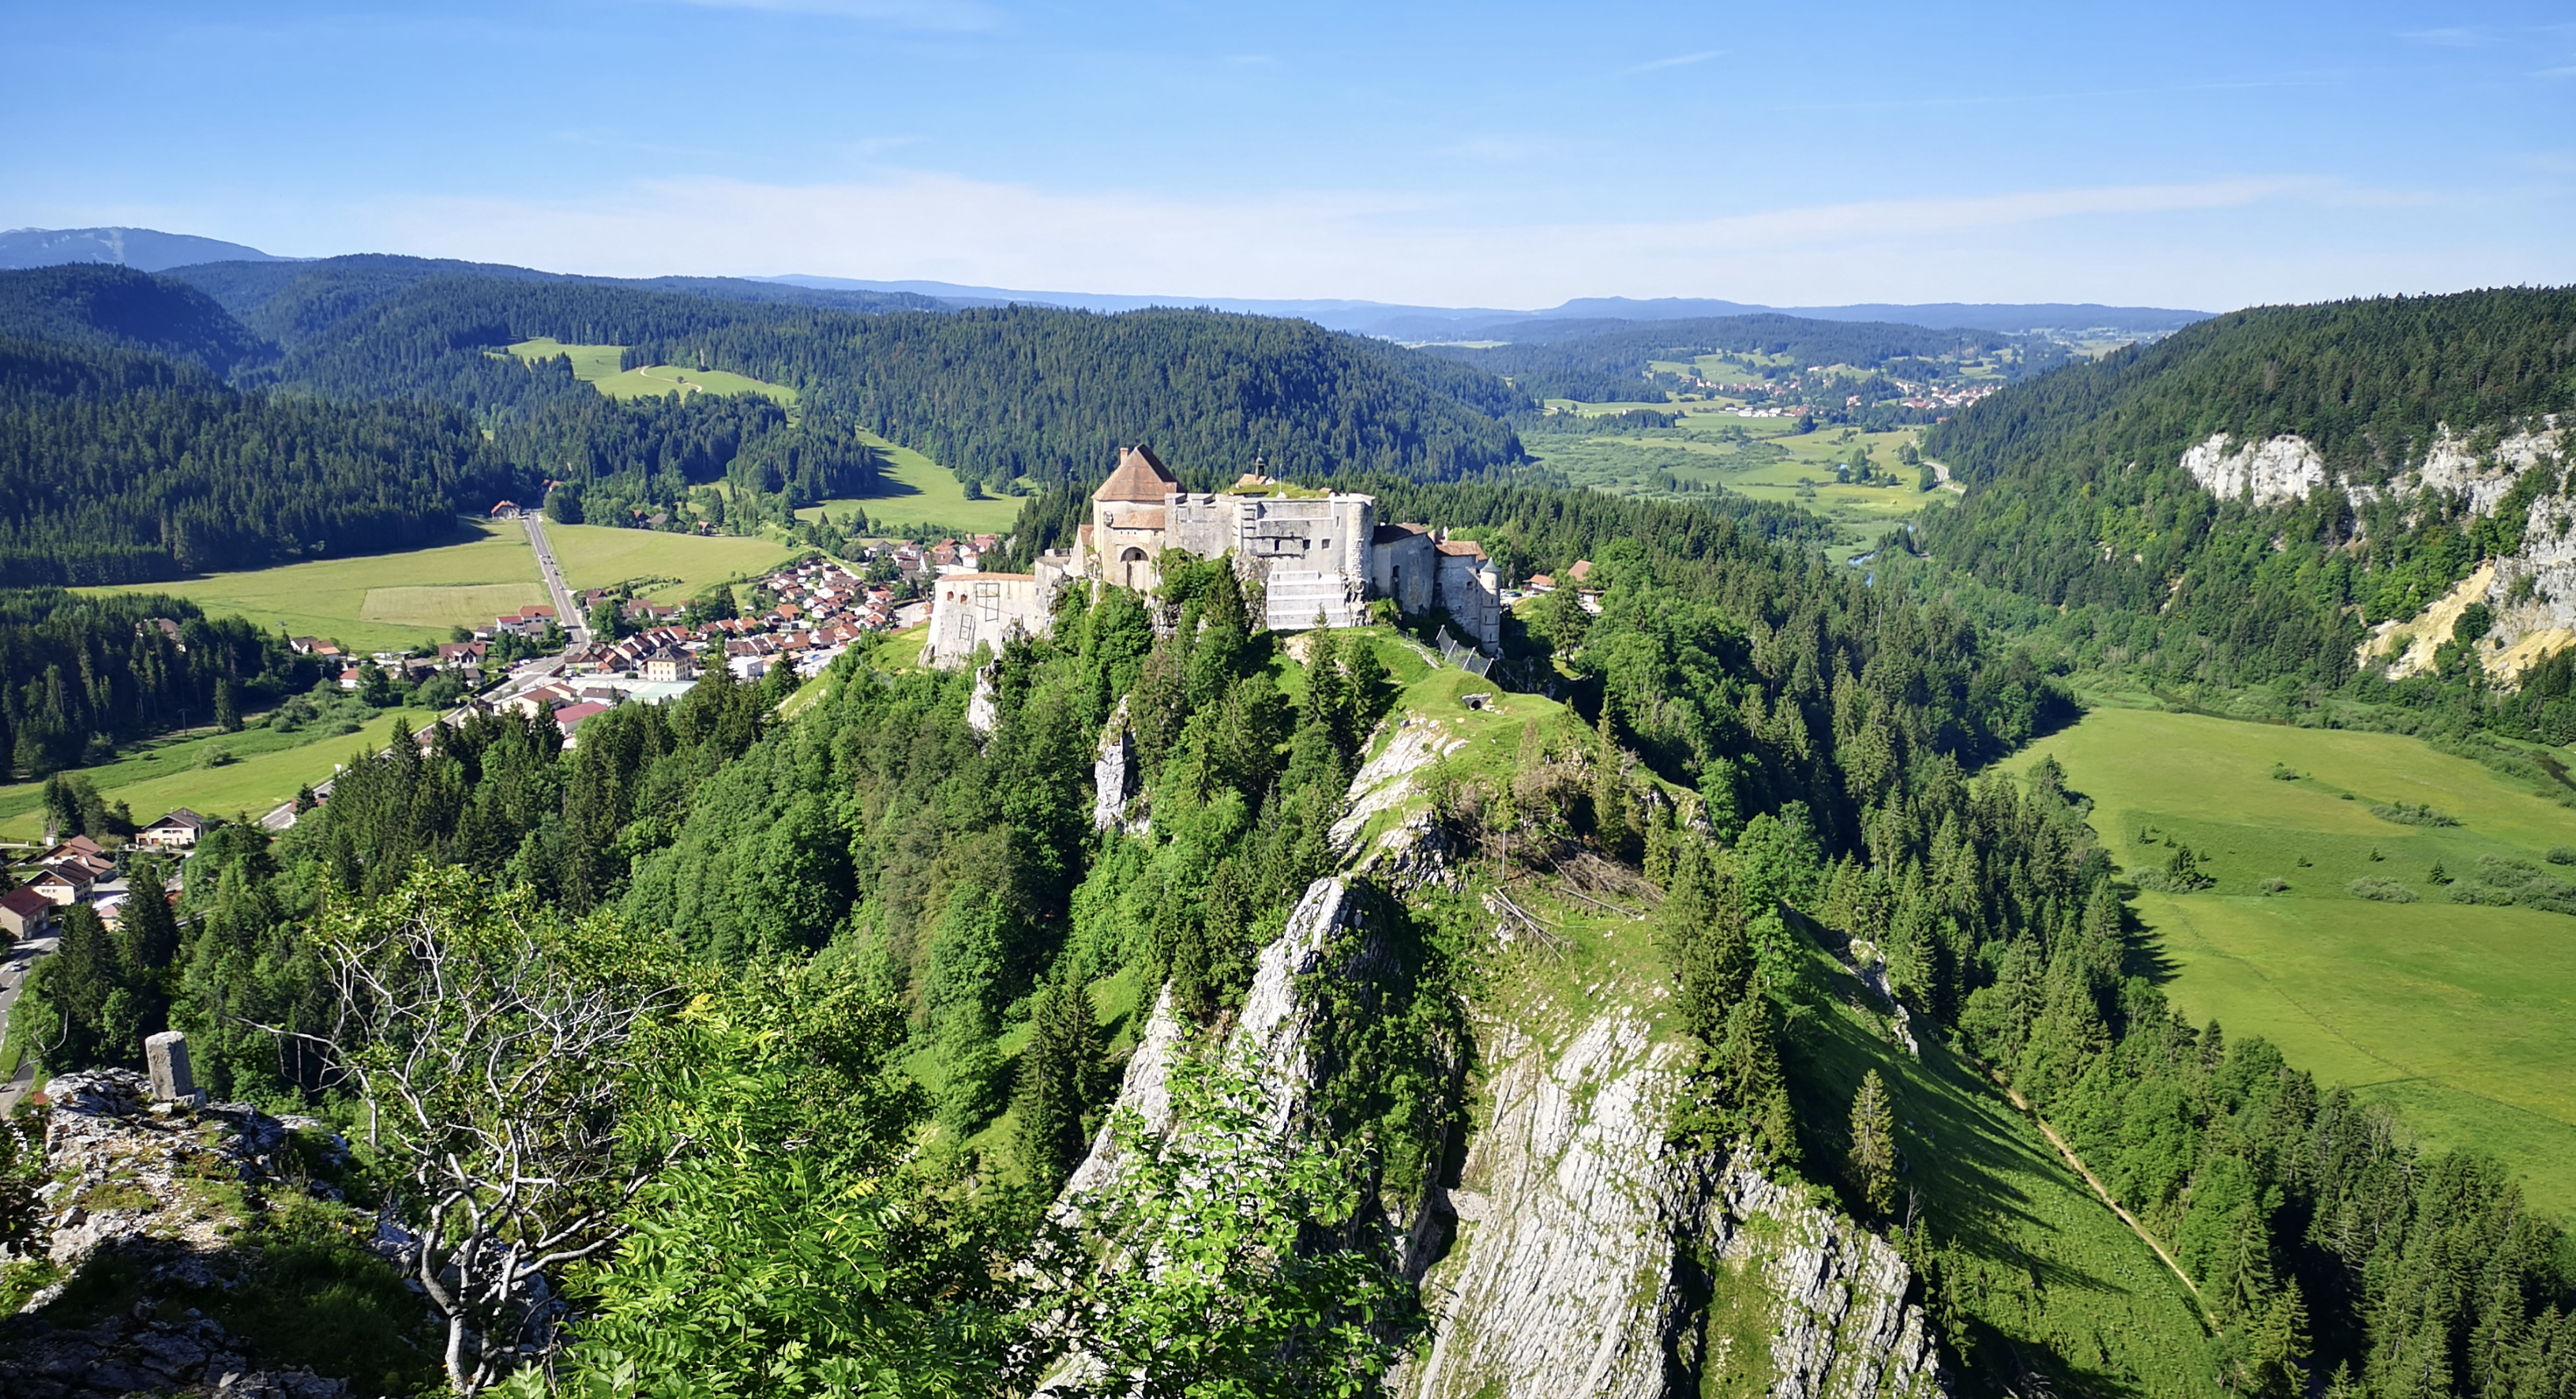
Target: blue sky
{"type": "Point", "coordinates": [1498, 154]}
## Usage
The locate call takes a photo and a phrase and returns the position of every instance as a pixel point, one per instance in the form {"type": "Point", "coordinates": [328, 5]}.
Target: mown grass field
{"type": "Point", "coordinates": [596, 556]}
{"type": "Point", "coordinates": [1757, 457]}
{"type": "Point", "coordinates": [2461, 1017]}
{"type": "Point", "coordinates": [919, 491]}
{"type": "Point", "coordinates": [268, 769]}
{"type": "Point", "coordinates": [377, 601]}
{"type": "Point", "coordinates": [597, 365]}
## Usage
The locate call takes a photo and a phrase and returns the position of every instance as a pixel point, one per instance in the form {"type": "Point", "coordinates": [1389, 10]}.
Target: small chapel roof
{"type": "Point", "coordinates": [1139, 477]}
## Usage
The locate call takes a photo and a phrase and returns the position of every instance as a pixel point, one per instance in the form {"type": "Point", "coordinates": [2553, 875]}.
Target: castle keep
{"type": "Point", "coordinates": [1316, 555]}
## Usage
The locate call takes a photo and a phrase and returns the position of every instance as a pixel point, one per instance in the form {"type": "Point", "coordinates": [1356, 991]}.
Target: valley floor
{"type": "Point", "coordinates": [2462, 1017]}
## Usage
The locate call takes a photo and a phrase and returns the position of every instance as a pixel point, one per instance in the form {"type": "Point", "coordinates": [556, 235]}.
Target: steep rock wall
{"type": "Point", "coordinates": [1590, 1248]}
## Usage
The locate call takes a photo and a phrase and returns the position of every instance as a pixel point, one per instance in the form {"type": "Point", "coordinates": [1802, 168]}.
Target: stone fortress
{"type": "Point", "coordinates": [1318, 557]}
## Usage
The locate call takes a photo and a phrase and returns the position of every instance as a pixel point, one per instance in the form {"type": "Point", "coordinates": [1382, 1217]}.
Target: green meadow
{"type": "Point", "coordinates": [377, 601]}
{"type": "Point", "coordinates": [1763, 458]}
{"type": "Point", "coordinates": [918, 491]}
{"type": "Point", "coordinates": [266, 769]}
{"type": "Point", "coordinates": [597, 365]}
{"type": "Point", "coordinates": [598, 556]}
{"type": "Point", "coordinates": [2462, 1017]}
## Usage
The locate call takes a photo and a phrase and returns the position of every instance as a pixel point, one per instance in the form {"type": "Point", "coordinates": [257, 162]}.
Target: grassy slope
{"type": "Point", "coordinates": [595, 556]}
{"type": "Point", "coordinates": [597, 365]}
{"type": "Point", "coordinates": [1773, 468]}
{"type": "Point", "coordinates": [167, 774]}
{"type": "Point", "coordinates": [2059, 1283]}
{"type": "Point", "coordinates": [2462, 1017]}
{"type": "Point", "coordinates": [919, 491]}
{"type": "Point", "coordinates": [376, 601]}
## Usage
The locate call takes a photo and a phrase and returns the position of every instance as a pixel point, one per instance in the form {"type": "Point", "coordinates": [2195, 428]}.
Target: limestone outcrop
{"type": "Point", "coordinates": [2283, 469]}
{"type": "Point", "coordinates": [1587, 1241]}
{"type": "Point", "coordinates": [1113, 770]}
{"type": "Point", "coordinates": [143, 1184]}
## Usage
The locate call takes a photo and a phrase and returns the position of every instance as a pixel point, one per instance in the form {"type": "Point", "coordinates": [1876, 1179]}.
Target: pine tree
{"type": "Point", "coordinates": [1869, 1167]}
{"type": "Point", "coordinates": [2277, 1351]}
{"type": "Point", "coordinates": [1059, 1079]}
{"type": "Point", "coordinates": [1614, 813]}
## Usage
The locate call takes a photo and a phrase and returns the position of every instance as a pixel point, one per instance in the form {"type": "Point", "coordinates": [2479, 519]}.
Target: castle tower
{"type": "Point", "coordinates": [1129, 514]}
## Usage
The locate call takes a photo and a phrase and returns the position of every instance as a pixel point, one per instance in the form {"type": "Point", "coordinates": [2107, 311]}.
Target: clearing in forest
{"type": "Point", "coordinates": [914, 490]}
{"type": "Point", "coordinates": [2327, 932]}
{"type": "Point", "coordinates": [600, 366]}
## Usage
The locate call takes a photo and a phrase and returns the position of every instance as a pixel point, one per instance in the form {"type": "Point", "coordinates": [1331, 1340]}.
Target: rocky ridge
{"type": "Point", "coordinates": [2532, 591]}
{"type": "Point", "coordinates": [142, 1185]}
{"type": "Point", "coordinates": [1576, 1251]}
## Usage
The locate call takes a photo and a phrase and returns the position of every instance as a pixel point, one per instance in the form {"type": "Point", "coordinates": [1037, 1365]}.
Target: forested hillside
{"type": "Point", "coordinates": [1606, 361]}
{"type": "Point", "coordinates": [1038, 393]}
{"type": "Point", "coordinates": [1050, 395]}
{"type": "Point", "coordinates": [103, 306]}
{"type": "Point", "coordinates": [2078, 496]}
{"type": "Point", "coordinates": [119, 468]}
{"type": "Point", "coordinates": [79, 675]}
{"type": "Point", "coordinates": [290, 302]}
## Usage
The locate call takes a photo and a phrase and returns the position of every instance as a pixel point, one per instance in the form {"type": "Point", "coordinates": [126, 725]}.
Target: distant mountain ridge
{"type": "Point", "coordinates": [152, 251]}
{"type": "Point", "coordinates": [1399, 322]}
{"type": "Point", "coordinates": [143, 249]}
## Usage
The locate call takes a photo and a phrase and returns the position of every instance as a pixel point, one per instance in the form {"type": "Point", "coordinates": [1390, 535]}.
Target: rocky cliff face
{"type": "Point", "coordinates": [2284, 468]}
{"type": "Point", "coordinates": [1580, 1251]}
{"type": "Point", "coordinates": [1596, 1257]}
{"type": "Point", "coordinates": [2531, 591]}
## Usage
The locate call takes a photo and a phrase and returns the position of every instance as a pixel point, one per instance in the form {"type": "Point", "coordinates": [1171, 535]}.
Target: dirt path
{"type": "Point", "coordinates": [2076, 1163]}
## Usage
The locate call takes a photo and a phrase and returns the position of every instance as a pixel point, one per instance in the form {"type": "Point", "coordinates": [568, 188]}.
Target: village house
{"type": "Point", "coordinates": [25, 913]}
{"type": "Point", "coordinates": [64, 884]}
{"type": "Point", "coordinates": [463, 655]}
{"type": "Point", "coordinates": [668, 665]}
{"type": "Point", "coordinates": [177, 831]}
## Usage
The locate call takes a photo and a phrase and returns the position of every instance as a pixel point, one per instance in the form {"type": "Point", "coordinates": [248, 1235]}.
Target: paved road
{"type": "Point", "coordinates": [573, 622]}
{"type": "Point", "coordinates": [15, 961]}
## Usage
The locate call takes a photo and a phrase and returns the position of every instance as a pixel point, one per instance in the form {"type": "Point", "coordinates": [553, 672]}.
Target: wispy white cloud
{"type": "Point", "coordinates": [2566, 72]}
{"type": "Point", "coordinates": [2458, 37]}
{"type": "Point", "coordinates": [908, 14]}
{"type": "Point", "coordinates": [1676, 61]}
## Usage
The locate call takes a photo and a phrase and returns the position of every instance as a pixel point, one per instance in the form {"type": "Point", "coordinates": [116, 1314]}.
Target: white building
{"type": "Point", "coordinates": [1318, 556]}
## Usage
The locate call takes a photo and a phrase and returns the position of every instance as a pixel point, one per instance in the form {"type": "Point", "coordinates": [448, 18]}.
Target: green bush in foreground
{"type": "Point", "coordinates": [2386, 891]}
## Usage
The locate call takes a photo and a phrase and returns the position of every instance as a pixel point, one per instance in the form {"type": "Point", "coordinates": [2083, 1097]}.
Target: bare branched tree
{"type": "Point", "coordinates": [491, 1043]}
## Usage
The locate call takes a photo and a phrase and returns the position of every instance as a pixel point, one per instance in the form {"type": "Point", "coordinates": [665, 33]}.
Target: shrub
{"type": "Point", "coordinates": [2282, 772]}
{"type": "Point", "coordinates": [2473, 892]}
{"type": "Point", "coordinates": [2276, 885]}
{"type": "Point", "coordinates": [2561, 855]}
{"type": "Point", "coordinates": [2385, 891]}
{"type": "Point", "coordinates": [2416, 814]}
